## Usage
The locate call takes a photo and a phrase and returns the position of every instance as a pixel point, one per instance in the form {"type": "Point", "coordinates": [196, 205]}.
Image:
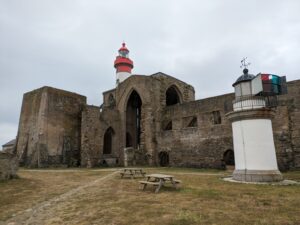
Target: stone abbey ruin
{"type": "Point", "coordinates": [146, 120]}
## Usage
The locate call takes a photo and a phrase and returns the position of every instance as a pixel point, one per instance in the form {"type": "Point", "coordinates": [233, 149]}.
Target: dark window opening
{"type": "Point", "coordinates": [169, 126]}
{"type": "Point", "coordinates": [111, 100]}
{"type": "Point", "coordinates": [108, 141]}
{"type": "Point", "coordinates": [128, 140]}
{"type": "Point", "coordinates": [228, 157]}
{"type": "Point", "coordinates": [217, 117]}
{"type": "Point", "coordinates": [172, 96]}
{"type": "Point", "coordinates": [133, 120]}
{"type": "Point", "coordinates": [193, 122]}
{"type": "Point", "coordinates": [163, 158]}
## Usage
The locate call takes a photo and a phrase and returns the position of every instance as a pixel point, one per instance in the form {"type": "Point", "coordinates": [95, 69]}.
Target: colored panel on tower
{"type": "Point", "coordinates": [268, 84]}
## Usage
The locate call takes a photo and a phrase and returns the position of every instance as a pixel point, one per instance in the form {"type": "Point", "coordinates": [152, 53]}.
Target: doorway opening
{"type": "Point", "coordinates": [228, 159]}
{"type": "Point", "coordinates": [108, 141]}
{"type": "Point", "coordinates": [163, 158]}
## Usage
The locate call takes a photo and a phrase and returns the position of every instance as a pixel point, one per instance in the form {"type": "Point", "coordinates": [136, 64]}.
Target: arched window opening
{"type": "Point", "coordinates": [111, 100]}
{"type": "Point", "coordinates": [172, 96]}
{"type": "Point", "coordinates": [128, 140]}
{"type": "Point", "coordinates": [228, 157]}
{"type": "Point", "coordinates": [133, 120]}
{"type": "Point", "coordinates": [217, 117]}
{"type": "Point", "coordinates": [108, 141]}
{"type": "Point", "coordinates": [163, 158]}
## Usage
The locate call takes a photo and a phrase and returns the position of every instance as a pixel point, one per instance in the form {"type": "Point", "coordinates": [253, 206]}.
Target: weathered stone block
{"type": "Point", "coordinates": [8, 166]}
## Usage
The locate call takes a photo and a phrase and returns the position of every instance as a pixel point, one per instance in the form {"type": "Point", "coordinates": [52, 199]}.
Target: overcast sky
{"type": "Point", "coordinates": [71, 44]}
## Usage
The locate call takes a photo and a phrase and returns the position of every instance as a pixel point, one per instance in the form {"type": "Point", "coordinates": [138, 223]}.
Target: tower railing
{"type": "Point", "coordinates": [250, 102]}
{"type": "Point", "coordinates": [253, 102]}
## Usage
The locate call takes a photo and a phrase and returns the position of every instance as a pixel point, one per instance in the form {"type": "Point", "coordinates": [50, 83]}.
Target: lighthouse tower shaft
{"type": "Point", "coordinates": [123, 64]}
{"type": "Point", "coordinates": [254, 149]}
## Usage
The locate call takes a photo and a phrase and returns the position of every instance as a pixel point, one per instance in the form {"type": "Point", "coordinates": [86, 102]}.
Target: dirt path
{"type": "Point", "coordinates": [34, 215]}
{"type": "Point", "coordinates": [68, 170]}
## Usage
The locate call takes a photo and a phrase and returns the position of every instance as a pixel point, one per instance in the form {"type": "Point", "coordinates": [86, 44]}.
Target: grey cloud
{"type": "Point", "coordinates": [71, 44]}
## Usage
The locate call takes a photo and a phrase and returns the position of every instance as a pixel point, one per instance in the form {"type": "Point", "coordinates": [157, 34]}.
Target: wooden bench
{"type": "Point", "coordinates": [145, 183]}
{"type": "Point", "coordinates": [132, 173]}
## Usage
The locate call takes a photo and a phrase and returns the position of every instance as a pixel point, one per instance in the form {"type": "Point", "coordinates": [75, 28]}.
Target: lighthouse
{"type": "Point", "coordinates": [253, 109]}
{"type": "Point", "coordinates": [123, 64]}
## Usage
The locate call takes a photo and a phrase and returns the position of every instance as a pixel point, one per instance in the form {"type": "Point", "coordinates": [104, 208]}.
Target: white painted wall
{"type": "Point", "coordinates": [254, 145]}
{"type": "Point", "coordinates": [121, 76]}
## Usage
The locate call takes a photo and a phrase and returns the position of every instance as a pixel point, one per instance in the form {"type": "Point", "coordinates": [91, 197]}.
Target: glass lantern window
{"type": "Point", "coordinates": [123, 53]}
{"type": "Point", "coordinates": [246, 88]}
{"type": "Point", "coordinates": [238, 91]}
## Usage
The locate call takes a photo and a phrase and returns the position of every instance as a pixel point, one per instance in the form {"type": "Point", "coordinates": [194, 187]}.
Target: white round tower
{"type": "Point", "coordinates": [254, 149]}
{"type": "Point", "coordinates": [123, 64]}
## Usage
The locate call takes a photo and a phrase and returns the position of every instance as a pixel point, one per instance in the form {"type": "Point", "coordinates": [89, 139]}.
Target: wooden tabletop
{"type": "Point", "coordinates": [158, 175]}
{"type": "Point", "coordinates": [132, 169]}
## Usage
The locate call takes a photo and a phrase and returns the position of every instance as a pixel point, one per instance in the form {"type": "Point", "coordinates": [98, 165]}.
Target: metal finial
{"type": "Point", "coordinates": [244, 63]}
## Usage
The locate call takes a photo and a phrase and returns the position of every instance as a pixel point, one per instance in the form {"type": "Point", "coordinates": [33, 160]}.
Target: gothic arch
{"type": "Point", "coordinates": [173, 95]}
{"type": "Point", "coordinates": [108, 141]}
{"type": "Point", "coordinates": [228, 157]}
{"type": "Point", "coordinates": [123, 105]}
{"type": "Point", "coordinates": [164, 158]}
{"type": "Point", "coordinates": [133, 119]}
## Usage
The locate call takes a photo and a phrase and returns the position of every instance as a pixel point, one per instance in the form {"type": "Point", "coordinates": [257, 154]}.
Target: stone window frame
{"type": "Point", "coordinates": [216, 117]}
{"type": "Point", "coordinates": [178, 92]}
{"type": "Point", "coordinates": [168, 126]}
{"type": "Point", "coordinates": [111, 100]}
{"type": "Point", "coordinates": [189, 122]}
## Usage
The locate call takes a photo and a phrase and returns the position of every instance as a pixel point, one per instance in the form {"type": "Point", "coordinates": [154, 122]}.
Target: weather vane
{"type": "Point", "coordinates": [244, 63]}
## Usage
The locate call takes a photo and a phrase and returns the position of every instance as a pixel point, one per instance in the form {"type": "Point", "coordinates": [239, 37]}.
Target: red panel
{"type": "Point", "coordinates": [123, 60]}
{"type": "Point", "coordinates": [123, 68]}
{"type": "Point", "coordinates": [264, 76]}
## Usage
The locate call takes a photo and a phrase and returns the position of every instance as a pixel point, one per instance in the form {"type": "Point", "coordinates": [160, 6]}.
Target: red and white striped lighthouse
{"type": "Point", "coordinates": [123, 64]}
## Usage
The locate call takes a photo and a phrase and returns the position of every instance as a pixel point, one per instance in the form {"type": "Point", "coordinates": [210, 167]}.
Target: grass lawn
{"type": "Point", "coordinates": [83, 196]}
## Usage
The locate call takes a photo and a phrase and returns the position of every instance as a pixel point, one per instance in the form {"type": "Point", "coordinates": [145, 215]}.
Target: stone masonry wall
{"type": "Point", "coordinates": [287, 136]}
{"type": "Point", "coordinates": [57, 127]}
{"type": "Point", "coordinates": [203, 143]}
{"type": "Point", "coordinates": [94, 125]}
{"type": "Point", "coordinates": [49, 128]}
{"type": "Point", "coordinates": [8, 166]}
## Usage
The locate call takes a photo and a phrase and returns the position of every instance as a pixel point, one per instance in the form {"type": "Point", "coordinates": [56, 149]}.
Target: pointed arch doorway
{"type": "Point", "coordinates": [108, 141]}
{"type": "Point", "coordinates": [133, 120]}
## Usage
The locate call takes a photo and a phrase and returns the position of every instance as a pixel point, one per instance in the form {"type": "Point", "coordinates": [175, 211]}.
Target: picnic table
{"type": "Point", "coordinates": [132, 172]}
{"type": "Point", "coordinates": [159, 180]}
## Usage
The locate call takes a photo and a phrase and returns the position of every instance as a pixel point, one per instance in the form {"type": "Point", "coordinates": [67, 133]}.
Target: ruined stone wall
{"type": "Point", "coordinates": [152, 90]}
{"type": "Point", "coordinates": [185, 91]}
{"type": "Point", "coordinates": [28, 137]}
{"type": "Point", "coordinates": [49, 128]}
{"type": "Point", "coordinates": [8, 166]}
{"type": "Point", "coordinates": [286, 128]}
{"type": "Point", "coordinates": [94, 125]}
{"type": "Point", "coordinates": [58, 128]}
{"type": "Point", "coordinates": [143, 86]}
{"type": "Point", "coordinates": [196, 144]}
{"type": "Point", "coordinates": [204, 145]}
{"type": "Point", "coordinates": [294, 121]}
